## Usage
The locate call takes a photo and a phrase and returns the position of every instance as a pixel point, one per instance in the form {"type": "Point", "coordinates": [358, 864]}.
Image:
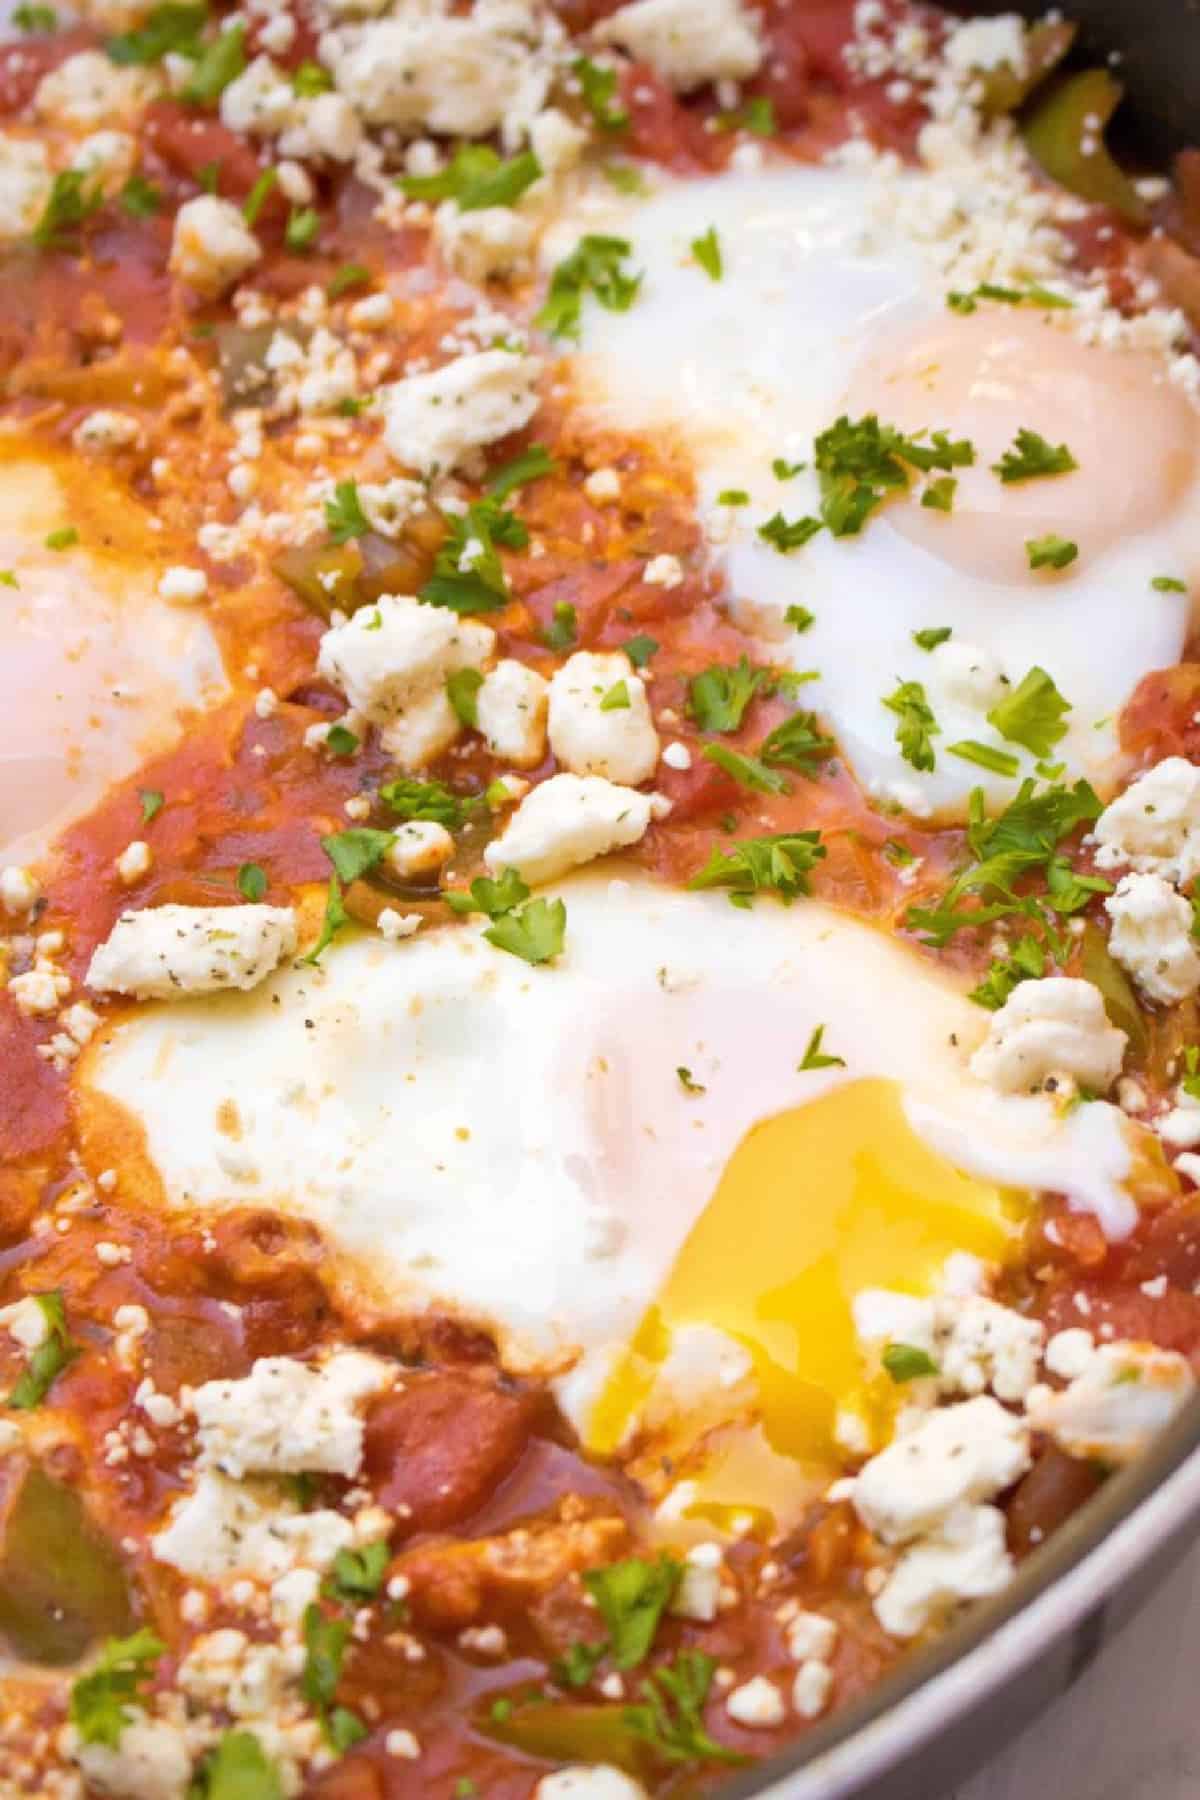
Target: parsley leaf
{"type": "Point", "coordinates": [220, 63]}
{"type": "Point", "coordinates": [563, 629]}
{"type": "Point", "coordinates": [256, 199]}
{"type": "Point", "coordinates": [47, 1362]}
{"type": "Point", "coordinates": [670, 1717]}
{"type": "Point", "coordinates": [733, 497]}
{"type": "Point", "coordinates": [35, 18]}
{"type": "Point", "coordinates": [535, 932]}
{"type": "Point", "coordinates": [476, 178]}
{"type": "Point", "coordinates": [815, 1058]}
{"type": "Point", "coordinates": [938, 496]}
{"type": "Point", "coordinates": [344, 515]}
{"type": "Point", "coordinates": [907, 1362]}
{"type": "Point", "coordinates": [468, 576]}
{"type": "Point", "coordinates": [356, 852]}
{"type": "Point", "coordinates": [789, 534]}
{"type": "Point", "coordinates": [63, 539]}
{"type": "Point", "coordinates": [594, 267]}
{"type": "Point", "coordinates": [350, 275]}
{"type": "Point", "coordinates": [493, 897]}
{"type": "Point", "coordinates": [325, 1644]}
{"type": "Point", "coordinates": [783, 470]}
{"type": "Point", "coordinates": [917, 725]}
{"type": "Point", "coordinates": [707, 252]}
{"type": "Point", "coordinates": [932, 636]}
{"type": "Point", "coordinates": [577, 1667]}
{"type": "Point", "coordinates": [140, 198]}
{"type": "Point", "coordinates": [70, 202]}
{"type": "Point", "coordinates": [632, 1597]}
{"type": "Point", "coordinates": [335, 917]}
{"type": "Point", "coordinates": [778, 863]}
{"type": "Point", "coordinates": [1032, 713]}
{"type": "Point", "coordinates": [340, 742]}
{"type": "Point", "coordinates": [98, 1706]}
{"type": "Point", "coordinates": [462, 691]}
{"type": "Point", "coordinates": [985, 756]}
{"type": "Point", "coordinates": [747, 771]}
{"type": "Point", "coordinates": [430, 800]}
{"type": "Point", "coordinates": [1034, 295]}
{"type": "Point", "coordinates": [1027, 962]}
{"type": "Point", "coordinates": [171, 27]}
{"type": "Point", "coordinates": [640, 649]}
{"type": "Point", "coordinates": [686, 1082]}
{"type": "Point", "coordinates": [310, 79]}
{"type": "Point", "coordinates": [861, 461]}
{"type": "Point", "coordinates": [237, 1768]}
{"type": "Point", "coordinates": [530, 465]}
{"type": "Point", "coordinates": [799, 618]}
{"type": "Point", "coordinates": [757, 117]}
{"type": "Point", "coordinates": [303, 228]}
{"type": "Point", "coordinates": [153, 800]}
{"type": "Point", "coordinates": [797, 743]}
{"type": "Point", "coordinates": [1031, 457]}
{"type": "Point", "coordinates": [598, 85]}
{"type": "Point", "coordinates": [718, 696]}
{"type": "Point", "coordinates": [1168, 584]}
{"type": "Point", "coordinates": [358, 1574]}
{"type": "Point", "coordinates": [617, 698]}
{"type": "Point", "coordinates": [1051, 552]}
{"type": "Point", "coordinates": [252, 882]}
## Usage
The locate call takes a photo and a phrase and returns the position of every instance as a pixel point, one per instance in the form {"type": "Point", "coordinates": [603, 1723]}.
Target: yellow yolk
{"type": "Point", "coordinates": [815, 1204]}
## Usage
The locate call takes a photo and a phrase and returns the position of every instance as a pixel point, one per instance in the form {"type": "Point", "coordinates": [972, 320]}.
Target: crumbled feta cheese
{"type": "Point", "coordinates": [422, 847]}
{"type": "Point", "coordinates": [25, 1323]}
{"type": "Point", "coordinates": [677, 756]}
{"type": "Point", "coordinates": [487, 242]}
{"type": "Point", "coordinates": [1154, 826]}
{"type": "Point", "coordinates": [698, 1595]}
{"type": "Point", "coordinates": [166, 952]}
{"type": "Point", "coordinates": [25, 182]}
{"type": "Point", "coordinates": [391, 661]}
{"type": "Point", "coordinates": [599, 718]}
{"type": "Point", "coordinates": [395, 925]}
{"type": "Point", "coordinates": [687, 42]}
{"type": "Point", "coordinates": [326, 125]}
{"type": "Point", "coordinates": [1069, 1352]}
{"type": "Point", "coordinates": [510, 712]}
{"type": "Point", "coordinates": [1151, 937]}
{"type": "Point", "coordinates": [758, 1704]}
{"type": "Point", "coordinates": [312, 379]}
{"type": "Point", "coordinates": [557, 143]}
{"type": "Point", "coordinates": [403, 1743]}
{"type": "Point", "coordinates": [1053, 1027]}
{"type": "Point", "coordinates": [987, 44]}
{"type": "Point", "coordinates": [287, 1417]}
{"type": "Point", "coordinates": [591, 1781]}
{"type": "Point", "coordinates": [105, 430]}
{"type": "Point", "coordinates": [967, 1452]}
{"type": "Point", "coordinates": [183, 586]}
{"type": "Point", "coordinates": [1125, 1394]}
{"type": "Point", "coordinates": [225, 1669]}
{"type": "Point", "coordinates": [39, 990]}
{"type": "Point", "coordinates": [602, 487]}
{"type": "Point", "coordinates": [212, 245]}
{"type": "Point", "coordinates": [663, 571]}
{"type": "Point", "coordinates": [20, 890]}
{"type": "Point", "coordinates": [389, 505]}
{"type": "Point", "coordinates": [967, 675]}
{"type": "Point", "coordinates": [434, 422]}
{"type": "Point", "coordinates": [224, 1526]}
{"type": "Point", "coordinates": [87, 90]}
{"type": "Point", "coordinates": [107, 158]}
{"type": "Point", "coordinates": [134, 861]}
{"type": "Point", "coordinates": [811, 1637]}
{"type": "Point", "coordinates": [975, 1343]}
{"type": "Point", "coordinates": [260, 100]}
{"type": "Point", "coordinates": [811, 1689]}
{"type": "Point", "coordinates": [967, 1560]}
{"type": "Point", "coordinates": [568, 820]}
{"type": "Point", "coordinates": [151, 1761]}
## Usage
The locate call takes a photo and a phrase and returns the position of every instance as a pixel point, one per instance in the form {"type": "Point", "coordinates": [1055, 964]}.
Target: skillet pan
{"type": "Point", "coordinates": [948, 1709]}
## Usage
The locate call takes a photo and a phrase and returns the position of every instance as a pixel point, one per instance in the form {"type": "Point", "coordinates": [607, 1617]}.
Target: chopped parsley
{"type": "Point", "coordinates": [468, 576]}
{"type": "Point", "coordinates": [907, 1362]}
{"type": "Point", "coordinates": [593, 267]}
{"type": "Point", "coordinates": [747, 771]}
{"type": "Point", "coordinates": [462, 691]}
{"type": "Point", "coordinates": [985, 756]}
{"type": "Point", "coordinates": [598, 85]}
{"type": "Point", "coordinates": [46, 1363]}
{"type": "Point", "coordinates": [140, 198]}
{"type": "Point", "coordinates": [476, 178]}
{"type": "Point", "coordinates": [624, 177]}
{"type": "Point", "coordinates": [256, 199]}
{"type": "Point", "coordinates": [1031, 457]}
{"type": "Point", "coordinates": [353, 854]}
{"type": "Point", "coordinates": [779, 863]}
{"type": "Point", "coordinates": [530, 465]}
{"type": "Point", "coordinates": [220, 63]}
{"type": "Point", "coordinates": [8, 578]}
{"type": "Point", "coordinates": [1034, 295]}
{"type": "Point", "coordinates": [252, 882]}
{"type": "Point", "coordinates": [617, 698]}
{"type": "Point", "coordinates": [1168, 584]}
{"type": "Point", "coordinates": [325, 1644]}
{"type": "Point", "coordinates": [932, 636]}
{"type": "Point", "coordinates": [633, 1595]}
{"type": "Point", "coordinates": [938, 496]}
{"type": "Point", "coordinates": [563, 629]}
{"type": "Point", "coordinates": [1032, 713]}
{"type": "Point", "coordinates": [357, 1575]}
{"type": "Point", "coordinates": [816, 1058]}
{"type": "Point", "coordinates": [344, 515]}
{"type": "Point", "coordinates": [687, 1084]}
{"type": "Point", "coordinates": [1051, 552]}
{"type": "Point", "coordinates": [340, 742]}
{"type": "Point", "coordinates": [100, 1700]}
{"type": "Point", "coordinates": [303, 228]}
{"type": "Point", "coordinates": [237, 1768]}
{"type": "Point", "coordinates": [208, 176]}
{"type": "Point", "coordinates": [577, 1667]}
{"type": "Point", "coordinates": [350, 275]}
{"type": "Point", "coordinates": [719, 695]}
{"type": "Point", "coordinates": [789, 534]}
{"type": "Point", "coordinates": [783, 470]}
{"type": "Point", "coordinates": [733, 497]}
{"type": "Point", "coordinates": [427, 800]}
{"type": "Point", "coordinates": [310, 79]}
{"type": "Point", "coordinates": [706, 250]}
{"type": "Point", "coordinates": [640, 649]}
{"type": "Point", "coordinates": [860, 462]}
{"type": "Point", "coordinates": [152, 802]}
{"type": "Point", "coordinates": [70, 203]}
{"type": "Point", "coordinates": [798, 743]}
{"type": "Point", "coordinates": [62, 539]}
{"type": "Point", "coordinates": [169, 28]}
{"type": "Point", "coordinates": [917, 727]}
{"type": "Point", "coordinates": [1025, 962]}
{"type": "Point", "coordinates": [534, 930]}
{"type": "Point", "coordinates": [35, 18]}
{"type": "Point", "coordinates": [757, 116]}
{"type": "Point", "coordinates": [799, 618]}
{"type": "Point", "coordinates": [670, 1714]}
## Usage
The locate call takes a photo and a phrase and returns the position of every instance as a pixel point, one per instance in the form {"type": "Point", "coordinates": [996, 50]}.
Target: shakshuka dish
{"type": "Point", "coordinates": [600, 797]}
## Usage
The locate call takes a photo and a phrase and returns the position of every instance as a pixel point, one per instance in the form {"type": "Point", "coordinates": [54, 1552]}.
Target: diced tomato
{"type": "Point", "coordinates": [23, 64]}
{"type": "Point", "coordinates": [1159, 719]}
{"type": "Point", "coordinates": [1055, 1487]}
{"type": "Point", "coordinates": [190, 141]}
{"type": "Point", "coordinates": [440, 1444]}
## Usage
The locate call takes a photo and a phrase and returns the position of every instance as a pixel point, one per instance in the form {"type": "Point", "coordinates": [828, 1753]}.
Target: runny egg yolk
{"type": "Point", "coordinates": [815, 1204]}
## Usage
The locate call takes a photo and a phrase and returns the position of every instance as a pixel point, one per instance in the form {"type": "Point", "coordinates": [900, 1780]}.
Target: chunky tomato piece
{"type": "Point", "coordinates": [440, 1445]}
